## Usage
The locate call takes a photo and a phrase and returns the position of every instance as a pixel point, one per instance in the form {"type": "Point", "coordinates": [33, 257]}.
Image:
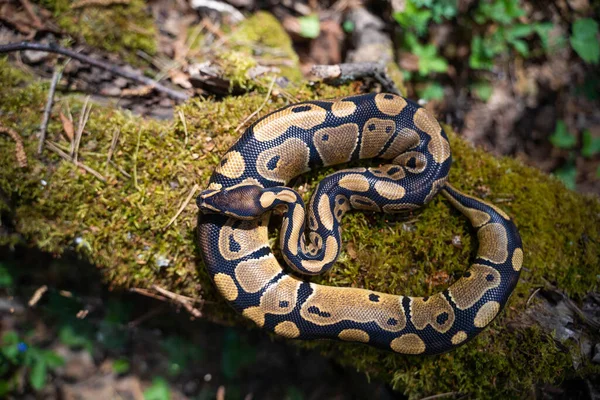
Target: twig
{"type": "Point", "coordinates": [220, 7]}
{"type": "Point", "coordinates": [349, 72]}
{"type": "Point", "coordinates": [53, 48]}
{"type": "Point", "coordinates": [19, 149]}
{"type": "Point", "coordinates": [240, 126]}
{"type": "Point", "coordinates": [121, 170]}
{"type": "Point", "coordinates": [79, 164]}
{"type": "Point", "coordinates": [441, 395]}
{"type": "Point", "coordinates": [536, 291]}
{"type": "Point", "coordinates": [84, 116]}
{"type": "Point", "coordinates": [184, 204]}
{"type": "Point", "coordinates": [103, 3]}
{"type": "Point", "coordinates": [113, 146]}
{"type": "Point", "coordinates": [155, 311]}
{"type": "Point", "coordinates": [184, 123]}
{"type": "Point", "coordinates": [36, 22]}
{"type": "Point", "coordinates": [135, 157]}
{"type": "Point", "coordinates": [37, 295]}
{"type": "Point", "coordinates": [185, 301]}
{"type": "Point", "coordinates": [44, 127]}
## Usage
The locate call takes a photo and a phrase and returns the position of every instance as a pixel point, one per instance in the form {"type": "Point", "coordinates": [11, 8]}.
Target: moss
{"type": "Point", "coordinates": [121, 226]}
{"type": "Point", "coordinates": [121, 28]}
{"type": "Point", "coordinates": [262, 36]}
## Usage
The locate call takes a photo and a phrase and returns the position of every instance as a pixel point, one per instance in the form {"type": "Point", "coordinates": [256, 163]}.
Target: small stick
{"type": "Point", "coordinates": [184, 204]}
{"type": "Point", "coordinates": [37, 295]}
{"type": "Point", "coordinates": [113, 146]}
{"type": "Point", "coordinates": [19, 149]}
{"type": "Point", "coordinates": [441, 395]}
{"type": "Point", "coordinates": [53, 48]}
{"type": "Point", "coordinates": [66, 157]}
{"type": "Point", "coordinates": [84, 116]}
{"type": "Point", "coordinates": [351, 71]}
{"type": "Point", "coordinates": [183, 300]}
{"type": "Point", "coordinates": [220, 7]}
{"type": "Point", "coordinates": [37, 23]}
{"type": "Point", "coordinates": [44, 127]}
{"type": "Point", "coordinates": [240, 126]}
{"type": "Point", "coordinates": [103, 3]}
{"type": "Point", "coordinates": [182, 118]}
{"type": "Point", "coordinates": [135, 157]}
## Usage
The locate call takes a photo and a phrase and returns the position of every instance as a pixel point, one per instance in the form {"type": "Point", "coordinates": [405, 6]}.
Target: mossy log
{"type": "Point", "coordinates": [121, 224]}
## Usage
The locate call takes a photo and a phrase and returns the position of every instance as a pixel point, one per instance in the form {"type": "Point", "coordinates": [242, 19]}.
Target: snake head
{"type": "Point", "coordinates": [240, 202]}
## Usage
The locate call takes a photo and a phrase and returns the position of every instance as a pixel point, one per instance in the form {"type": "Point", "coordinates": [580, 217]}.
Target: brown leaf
{"type": "Point", "coordinates": [67, 126]}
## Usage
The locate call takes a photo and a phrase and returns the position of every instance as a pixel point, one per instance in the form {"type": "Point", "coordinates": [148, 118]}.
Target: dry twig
{"type": "Point", "coordinates": [220, 7]}
{"type": "Point", "coordinates": [249, 117]}
{"type": "Point", "coordinates": [44, 127]}
{"type": "Point", "coordinates": [102, 3]}
{"type": "Point", "coordinates": [79, 164]}
{"type": "Point", "coordinates": [84, 116]}
{"type": "Point", "coordinates": [349, 72]}
{"type": "Point", "coordinates": [184, 204]}
{"type": "Point", "coordinates": [37, 295]}
{"type": "Point", "coordinates": [53, 48]}
{"type": "Point", "coordinates": [19, 149]}
{"type": "Point", "coordinates": [164, 295]}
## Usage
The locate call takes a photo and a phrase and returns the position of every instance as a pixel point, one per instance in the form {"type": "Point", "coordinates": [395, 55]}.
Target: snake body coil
{"type": "Point", "coordinates": [249, 183]}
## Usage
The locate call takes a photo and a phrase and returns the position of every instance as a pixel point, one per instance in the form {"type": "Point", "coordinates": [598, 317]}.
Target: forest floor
{"type": "Point", "coordinates": [540, 106]}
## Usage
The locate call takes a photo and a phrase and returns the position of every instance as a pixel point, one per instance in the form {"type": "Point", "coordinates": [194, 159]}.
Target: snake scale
{"type": "Point", "coordinates": [249, 183]}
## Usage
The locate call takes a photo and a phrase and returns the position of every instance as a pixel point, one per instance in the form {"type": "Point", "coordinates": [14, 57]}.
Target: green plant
{"type": "Point", "coordinates": [180, 352]}
{"type": "Point", "coordinates": [310, 26]}
{"type": "Point", "coordinates": [433, 91]}
{"type": "Point", "coordinates": [16, 355]}
{"type": "Point", "coordinates": [562, 138]}
{"type": "Point", "coordinates": [584, 40]}
{"type": "Point", "coordinates": [159, 390]}
{"type": "Point", "coordinates": [590, 146]}
{"type": "Point", "coordinates": [429, 59]}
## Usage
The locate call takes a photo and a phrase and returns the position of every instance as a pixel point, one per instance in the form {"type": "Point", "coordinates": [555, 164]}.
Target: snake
{"type": "Point", "coordinates": [411, 161]}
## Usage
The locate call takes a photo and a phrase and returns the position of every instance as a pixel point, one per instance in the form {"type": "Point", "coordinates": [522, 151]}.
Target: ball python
{"type": "Point", "coordinates": [249, 184]}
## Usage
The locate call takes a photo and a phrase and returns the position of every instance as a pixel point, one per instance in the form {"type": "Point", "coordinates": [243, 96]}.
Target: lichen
{"type": "Point", "coordinates": [122, 28]}
{"type": "Point", "coordinates": [121, 226]}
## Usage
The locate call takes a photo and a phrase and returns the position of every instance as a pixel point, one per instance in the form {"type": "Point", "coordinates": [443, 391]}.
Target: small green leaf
{"type": "Point", "coordinates": [433, 91]}
{"type": "Point", "coordinates": [37, 375]}
{"type": "Point", "coordinates": [561, 137]}
{"type": "Point", "coordinates": [52, 359]}
{"type": "Point", "coordinates": [413, 17]}
{"type": "Point", "coordinates": [159, 390]}
{"type": "Point", "coordinates": [568, 175]}
{"type": "Point", "coordinates": [5, 278]}
{"type": "Point", "coordinates": [483, 90]}
{"type": "Point", "coordinates": [584, 40]}
{"type": "Point", "coordinates": [120, 366]}
{"type": "Point", "coordinates": [348, 26]}
{"type": "Point", "coordinates": [590, 145]}
{"type": "Point", "coordinates": [521, 47]}
{"type": "Point", "coordinates": [520, 31]}
{"type": "Point", "coordinates": [310, 26]}
{"type": "Point", "coordinates": [10, 337]}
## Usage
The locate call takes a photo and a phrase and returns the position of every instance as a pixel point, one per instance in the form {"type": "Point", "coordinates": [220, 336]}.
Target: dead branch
{"type": "Point", "coordinates": [44, 127]}
{"type": "Point", "coordinates": [53, 48]}
{"type": "Point", "coordinates": [341, 73]}
{"type": "Point", "coordinates": [219, 7]}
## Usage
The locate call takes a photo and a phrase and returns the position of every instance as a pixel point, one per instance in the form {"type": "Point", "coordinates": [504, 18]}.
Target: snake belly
{"type": "Point", "coordinates": [250, 182]}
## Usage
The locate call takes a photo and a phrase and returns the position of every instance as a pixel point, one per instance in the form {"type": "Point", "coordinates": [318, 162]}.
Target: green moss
{"type": "Point", "coordinates": [262, 36]}
{"type": "Point", "coordinates": [121, 28]}
{"type": "Point", "coordinates": [121, 226]}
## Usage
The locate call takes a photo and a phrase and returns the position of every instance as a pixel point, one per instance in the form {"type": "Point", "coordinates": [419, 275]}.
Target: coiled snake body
{"type": "Point", "coordinates": [249, 183]}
